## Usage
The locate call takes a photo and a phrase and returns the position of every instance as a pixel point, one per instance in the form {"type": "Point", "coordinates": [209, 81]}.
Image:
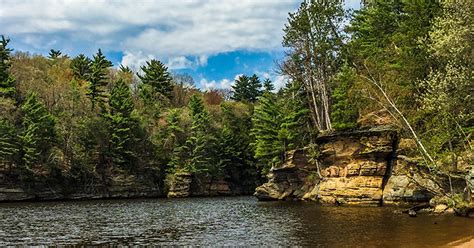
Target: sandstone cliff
{"type": "Point", "coordinates": [363, 167]}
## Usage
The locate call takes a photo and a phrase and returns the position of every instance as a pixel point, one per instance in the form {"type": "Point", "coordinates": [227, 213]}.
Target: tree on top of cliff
{"type": "Point", "coordinates": [122, 125]}
{"type": "Point", "coordinates": [266, 123]}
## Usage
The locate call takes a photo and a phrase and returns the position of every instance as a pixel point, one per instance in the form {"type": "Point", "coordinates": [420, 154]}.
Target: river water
{"type": "Point", "coordinates": [221, 221]}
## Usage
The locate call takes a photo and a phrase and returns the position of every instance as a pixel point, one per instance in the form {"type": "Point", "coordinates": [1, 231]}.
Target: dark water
{"type": "Point", "coordinates": [221, 221]}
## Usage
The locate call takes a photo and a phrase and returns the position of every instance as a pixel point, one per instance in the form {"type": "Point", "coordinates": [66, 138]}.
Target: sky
{"type": "Point", "coordinates": [214, 41]}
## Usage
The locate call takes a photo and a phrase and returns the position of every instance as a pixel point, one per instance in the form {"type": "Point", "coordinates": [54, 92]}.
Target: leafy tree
{"type": "Point", "coordinates": [344, 112]}
{"type": "Point", "coordinates": [98, 78]}
{"type": "Point", "coordinates": [155, 79]}
{"type": "Point", "coordinates": [122, 125]}
{"type": "Point", "coordinates": [7, 82]}
{"type": "Point", "coordinates": [81, 67]}
{"type": "Point", "coordinates": [314, 37]}
{"type": "Point", "coordinates": [38, 133]}
{"type": "Point", "coordinates": [265, 128]}
{"type": "Point", "coordinates": [449, 121]}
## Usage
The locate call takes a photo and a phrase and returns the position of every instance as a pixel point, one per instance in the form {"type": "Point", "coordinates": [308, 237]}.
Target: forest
{"type": "Point", "coordinates": [80, 120]}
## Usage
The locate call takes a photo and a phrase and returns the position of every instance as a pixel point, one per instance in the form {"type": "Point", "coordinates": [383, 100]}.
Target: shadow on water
{"type": "Point", "coordinates": [221, 221]}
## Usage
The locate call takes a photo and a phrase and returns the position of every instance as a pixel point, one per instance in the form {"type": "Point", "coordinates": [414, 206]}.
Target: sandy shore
{"type": "Point", "coordinates": [467, 242]}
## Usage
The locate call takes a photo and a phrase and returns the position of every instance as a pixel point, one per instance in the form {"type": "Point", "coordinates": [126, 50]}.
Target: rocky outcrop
{"type": "Point", "coordinates": [363, 167]}
{"type": "Point", "coordinates": [119, 187]}
{"type": "Point", "coordinates": [179, 185]}
{"type": "Point", "coordinates": [185, 184]}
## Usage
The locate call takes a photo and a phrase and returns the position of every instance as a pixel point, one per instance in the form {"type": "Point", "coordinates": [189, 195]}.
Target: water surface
{"type": "Point", "coordinates": [221, 221]}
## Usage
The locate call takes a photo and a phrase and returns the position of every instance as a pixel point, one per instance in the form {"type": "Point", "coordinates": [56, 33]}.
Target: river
{"type": "Point", "coordinates": [221, 221]}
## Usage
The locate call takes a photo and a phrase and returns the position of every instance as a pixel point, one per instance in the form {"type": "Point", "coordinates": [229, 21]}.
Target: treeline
{"type": "Point", "coordinates": [79, 119]}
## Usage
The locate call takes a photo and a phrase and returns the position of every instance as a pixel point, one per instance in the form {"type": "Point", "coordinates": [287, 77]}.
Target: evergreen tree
{"type": "Point", "coordinates": [7, 83]}
{"type": "Point", "coordinates": [344, 112]}
{"type": "Point", "coordinates": [265, 128]}
{"type": "Point", "coordinates": [197, 153]}
{"type": "Point", "coordinates": [54, 54]}
{"type": "Point", "coordinates": [268, 85]}
{"type": "Point", "coordinates": [155, 79]}
{"type": "Point", "coordinates": [81, 67]}
{"type": "Point", "coordinates": [38, 132]}
{"type": "Point", "coordinates": [254, 88]}
{"type": "Point", "coordinates": [98, 78]}
{"type": "Point", "coordinates": [295, 130]}
{"type": "Point", "coordinates": [121, 125]}
{"type": "Point", "coordinates": [246, 89]}
{"type": "Point", "coordinates": [8, 142]}
{"type": "Point", "coordinates": [241, 89]}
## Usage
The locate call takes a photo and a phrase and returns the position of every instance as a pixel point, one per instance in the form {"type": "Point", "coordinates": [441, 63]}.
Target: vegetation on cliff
{"type": "Point", "coordinates": [72, 119]}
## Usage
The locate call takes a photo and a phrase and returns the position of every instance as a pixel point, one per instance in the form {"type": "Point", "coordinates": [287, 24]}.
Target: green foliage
{"type": "Point", "coordinates": [38, 133]}
{"type": "Point", "coordinates": [156, 80]}
{"type": "Point", "coordinates": [268, 85]}
{"type": "Point", "coordinates": [98, 78]}
{"type": "Point", "coordinates": [7, 83]}
{"type": "Point", "coordinates": [8, 142]}
{"type": "Point", "coordinates": [54, 54]}
{"type": "Point", "coordinates": [385, 43]}
{"type": "Point", "coordinates": [269, 148]}
{"type": "Point", "coordinates": [295, 128]}
{"type": "Point", "coordinates": [246, 89]}
{"type": "Point", "coordinates": [196, 155]}
{"type": "Point", "coordinates": [81, 67]}
{"type": "Point", "coordinates": [447, 114]}
{"type": "Point", "coordinates": [121, 125]}
{"type": "Point", "coordinates": [344, 112]}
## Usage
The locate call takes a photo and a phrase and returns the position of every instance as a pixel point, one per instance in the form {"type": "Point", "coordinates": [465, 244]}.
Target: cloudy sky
{"type": "Point", "coordinates": [213, 40]}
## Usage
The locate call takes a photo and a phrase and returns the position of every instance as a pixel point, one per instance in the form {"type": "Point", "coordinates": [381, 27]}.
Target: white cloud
{"type": "Point", "coordinates": [180, 62]}
{"type": "Point", "coordinates": [168, 30]}
{"type": "Point", "coordinates": [213, 84]}
{"type": "Point", "coordinates": [280, 81]}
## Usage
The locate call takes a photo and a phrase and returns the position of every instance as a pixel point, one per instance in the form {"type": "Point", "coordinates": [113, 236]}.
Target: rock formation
{"type": "Point", "coordinates": [363, 167]}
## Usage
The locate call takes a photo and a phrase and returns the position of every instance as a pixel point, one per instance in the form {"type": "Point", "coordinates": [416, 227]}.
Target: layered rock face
{"type": "Point", "coordinates": [352, 168]}
{"type": "Point", "coordinates": [185, 184]}
{"type": "Point", "coordinates": [119, 187]}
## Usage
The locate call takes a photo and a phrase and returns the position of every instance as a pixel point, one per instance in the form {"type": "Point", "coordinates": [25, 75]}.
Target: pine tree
{"type": "Point", "coordinates": [54, 54]}
{"type": "Point", "coordinates": [8, 142]}
{"type": "Point", "coordinates": [38, 132]}
{"type": "Point", "coordinates": [254, 88]}
{"type": "Point", "coordinates": [196, 155]}
{"type": "Point", "coordinates": [7, 82]}
{"type": "Point", "coordinates": [81, 67]}
{"type": "Point", "coordinates": [241, 89]}
{"type": "Point", "coordinates": [246, 89]}
{"type": "Point", "coordinates": [344, 112]}
{"type": "Point", "coordinates": [98, 78]}
{"type": "Point", "coordinates": [268, 85]}
{"type": "Point", "coordinates": [121, 125]}
{"type": "Point", "coordinates": [295, 130]}
{"type": "Point", "coordinates": [155, 79]}
{"type": "Point", "coordinates": [265, 128]}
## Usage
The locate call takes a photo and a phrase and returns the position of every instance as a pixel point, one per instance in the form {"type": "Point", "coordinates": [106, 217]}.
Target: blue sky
{"type": "Point", "coordinates": [212, 40]}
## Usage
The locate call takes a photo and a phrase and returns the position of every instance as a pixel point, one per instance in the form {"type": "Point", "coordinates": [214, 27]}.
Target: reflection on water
{"type": "Point", "coordinates": [221, 221]}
